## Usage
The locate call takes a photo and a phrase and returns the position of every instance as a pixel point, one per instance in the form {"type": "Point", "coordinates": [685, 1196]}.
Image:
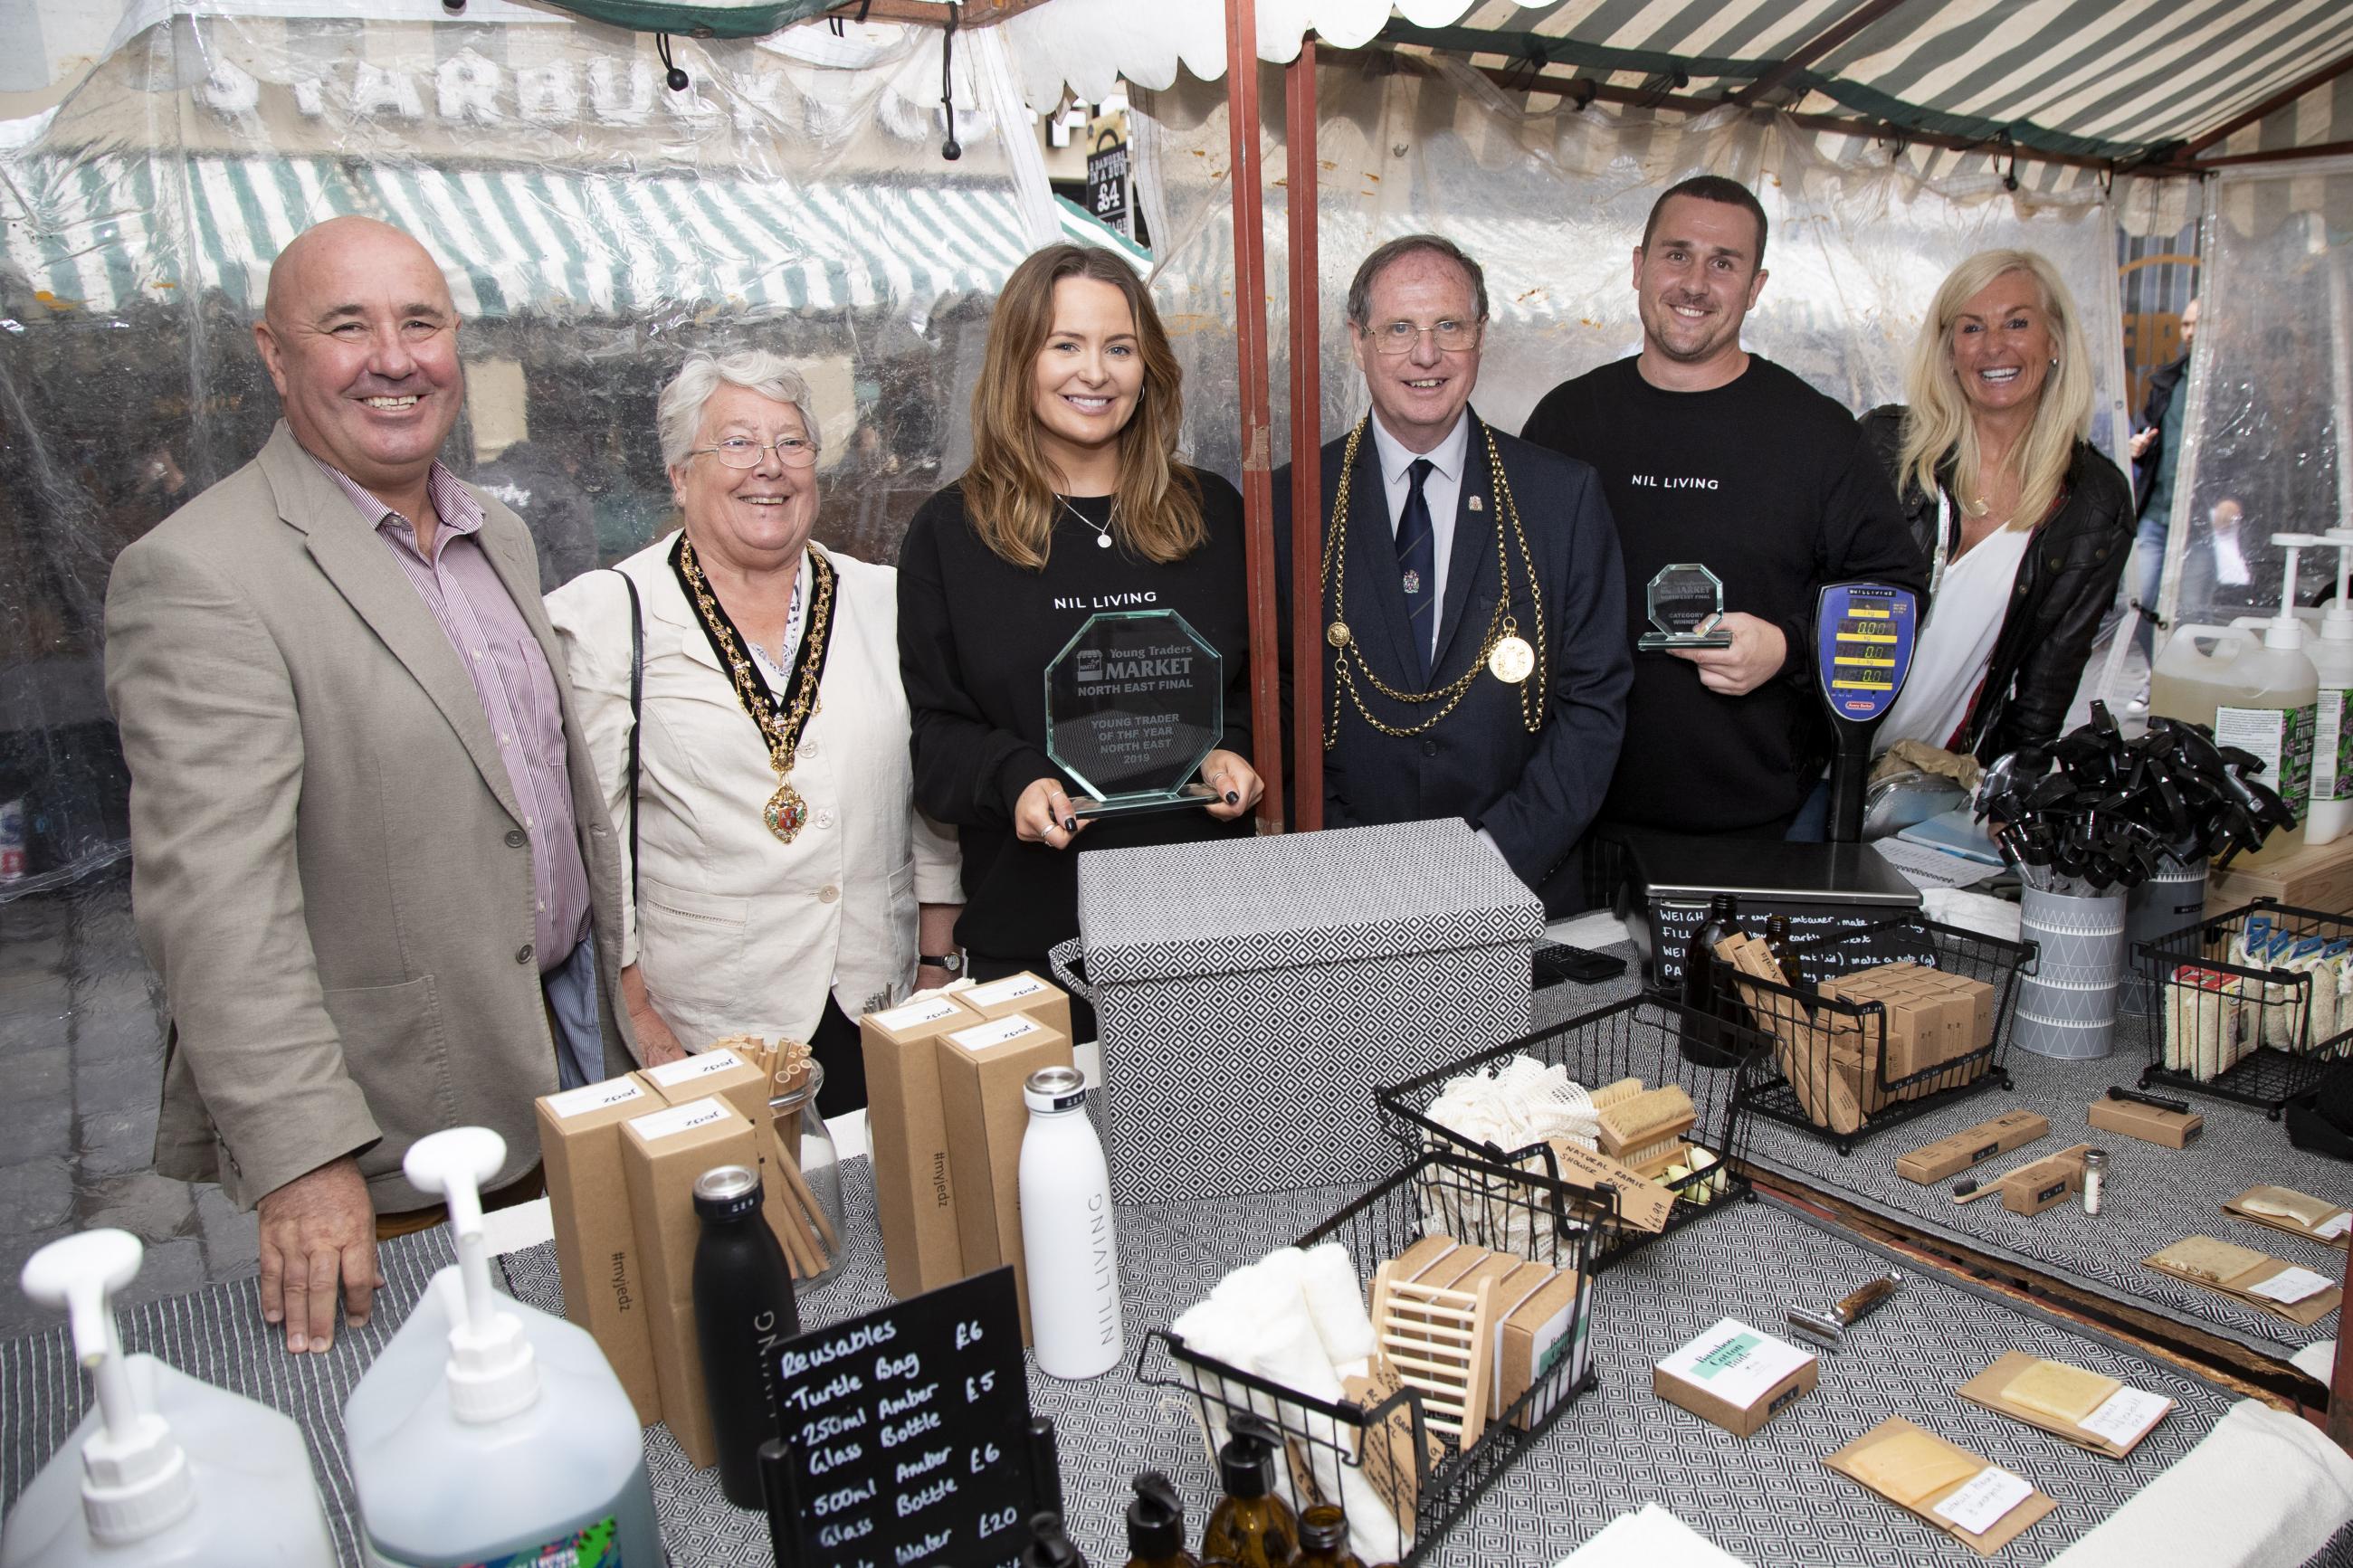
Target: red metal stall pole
{"type": "Point", "coordinates": [1306, 445]}
{"type": "Point", "coordinates": [1258, 418]}
{"type": "Point", "coordinates": [2340, 1376]}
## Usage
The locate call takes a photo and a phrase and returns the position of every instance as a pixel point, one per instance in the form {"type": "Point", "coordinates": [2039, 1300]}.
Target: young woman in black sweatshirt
{"type": "Point", "coordinates": [1074, 504]}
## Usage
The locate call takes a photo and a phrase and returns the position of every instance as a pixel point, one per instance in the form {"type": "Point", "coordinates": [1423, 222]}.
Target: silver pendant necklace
{"type": "Point", "coordinates": [1103, 530]}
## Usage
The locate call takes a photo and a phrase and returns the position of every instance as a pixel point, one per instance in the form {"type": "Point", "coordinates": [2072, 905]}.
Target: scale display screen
{"type": "Point", "coordinates": [1865, 632]}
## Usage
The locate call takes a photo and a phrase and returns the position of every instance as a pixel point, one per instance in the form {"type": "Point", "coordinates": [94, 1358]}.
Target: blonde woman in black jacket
{"type": "Point", "coordinates": [2025, 525]}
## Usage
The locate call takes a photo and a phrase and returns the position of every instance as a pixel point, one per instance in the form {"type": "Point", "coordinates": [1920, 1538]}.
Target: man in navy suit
{"type": "Point", "coordinates": [1475, 661]}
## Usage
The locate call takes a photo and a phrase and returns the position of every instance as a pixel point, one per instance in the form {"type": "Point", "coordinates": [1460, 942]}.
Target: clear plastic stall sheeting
{"type": "Point", "coordinates": [2270, 423]}
{"type": "Point", "coordinates": [1552, 204]}
{"type": "Point", "coordinates": [594, 226]}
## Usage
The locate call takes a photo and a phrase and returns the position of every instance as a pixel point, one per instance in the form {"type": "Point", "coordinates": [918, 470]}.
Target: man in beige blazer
{"type": "Point", "coordinates": [369, 851]}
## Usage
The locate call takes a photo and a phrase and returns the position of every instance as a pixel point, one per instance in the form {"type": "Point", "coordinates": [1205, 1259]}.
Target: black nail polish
{"type": "Point", "coordinates": [1070, 824]}
{"type": "Point", "coordinates": [1232, 798]}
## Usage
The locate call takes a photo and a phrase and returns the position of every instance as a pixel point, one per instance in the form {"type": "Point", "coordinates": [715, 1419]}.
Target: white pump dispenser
{"type": "Point", "coordinates": [136, 1497]}
{"type": "Point", "coordinates": [488, 1430]}
{"type": "Point", "coordinates": [2332, 655]}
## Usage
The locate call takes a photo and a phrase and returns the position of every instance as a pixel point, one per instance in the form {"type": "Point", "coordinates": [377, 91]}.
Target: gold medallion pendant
{"type": "Point", "coordinates": [1512, 660]}
{"type": "Point", "coordinates": [1336, 634]}
{"type": "Point", "coordinates": [787, 813]}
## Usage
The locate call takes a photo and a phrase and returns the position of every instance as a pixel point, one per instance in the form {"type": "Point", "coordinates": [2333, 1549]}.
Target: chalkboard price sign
{"type": "Point", "coordinates": [906, 1434]}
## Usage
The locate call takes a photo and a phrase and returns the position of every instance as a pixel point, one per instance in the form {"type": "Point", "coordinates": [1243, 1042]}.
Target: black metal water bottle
{"type": "Point", "coordinates": [743, 1312]}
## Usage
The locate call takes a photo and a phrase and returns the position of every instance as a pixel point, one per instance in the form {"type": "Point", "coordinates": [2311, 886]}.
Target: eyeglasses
{"type": "Point", "coordinates": [1399, 337]}
{"type": "Point", "coordinates": [742, 452]}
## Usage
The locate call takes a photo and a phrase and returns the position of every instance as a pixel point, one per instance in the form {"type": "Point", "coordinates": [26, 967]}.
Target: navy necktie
{"type": "Point", "coordinates": [1417, 548]}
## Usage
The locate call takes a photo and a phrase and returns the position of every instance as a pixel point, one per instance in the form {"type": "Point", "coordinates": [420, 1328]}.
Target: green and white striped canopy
{"type": "Point", "coordinates": [2115, 79]}
{"type": "Point", "coordinates": [109, 230]}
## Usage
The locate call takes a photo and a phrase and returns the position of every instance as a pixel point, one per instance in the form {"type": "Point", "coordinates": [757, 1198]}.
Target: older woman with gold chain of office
{"type": "Point", "coordinates": [783, 881]}
{"type": "Point", "coordinates": [1473, 619]}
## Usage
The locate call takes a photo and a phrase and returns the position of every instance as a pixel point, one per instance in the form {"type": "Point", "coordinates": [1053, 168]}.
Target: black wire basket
{"type": "Point", "coordinates": [1646, 1037]}
{"type": "Point", "coordinates": [1826, 1066]}
{"type": "Point", "coordinates": [1395, 1447]}
{"type": "Point", "coordinates": [2256, 1027]}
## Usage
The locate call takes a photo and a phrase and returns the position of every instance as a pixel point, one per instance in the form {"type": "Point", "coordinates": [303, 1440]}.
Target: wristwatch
{"type": "Point", "coordinates": [953, 963]}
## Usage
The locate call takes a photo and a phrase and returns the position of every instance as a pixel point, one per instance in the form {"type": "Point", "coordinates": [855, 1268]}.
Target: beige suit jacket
{"type": "Point", "coordinates": [329, 869]}
{"type": "Point", "coordinates": [735, 931]}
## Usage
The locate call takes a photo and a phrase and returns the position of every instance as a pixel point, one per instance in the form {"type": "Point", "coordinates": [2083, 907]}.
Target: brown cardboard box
{"type": "Point", "coordinates": [1981, 1004]}
{"type": "Point", "coordinates": [722, 1071]}
{"type": "Point", "coordinates": [595, 1245]}
{"type": "Point", "coordinates": [981, 1070]}
{"type": "Point", "coordinates": [2150, 1123]}
{"type": "Point", "coordinates": [1736, 1376]}
{"type": "Point", "coordinates": [1023, 993]}
{"type": "Point", "coordinates": [2013, 1522]}
{"type": "Point", "coordinates": [1424, 1252]}
{"type": "Point", "coordinates": [662, 1152]}
{"type": "Point", "coordinates": [907, 1138]}
{"type": "Point", "coordinates": [1537, 1336]}
{"type": "Point", "coordinates": [741, 1080]}
{"type": "Point", "coordinates": [2045, 1184]}
{"type": "Point", "coordinates": [1956, 1152]}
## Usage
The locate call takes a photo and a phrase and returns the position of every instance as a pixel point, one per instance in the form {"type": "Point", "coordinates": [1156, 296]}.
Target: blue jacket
{"type": "Point", "coordinates": [1533, 793]}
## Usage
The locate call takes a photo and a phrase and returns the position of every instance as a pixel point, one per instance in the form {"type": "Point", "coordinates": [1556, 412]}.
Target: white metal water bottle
{"type": "Point", "coordinates": [1070, 1255]}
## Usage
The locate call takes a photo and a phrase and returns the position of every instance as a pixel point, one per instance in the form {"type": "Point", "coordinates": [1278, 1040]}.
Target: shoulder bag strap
{"type": "Point", "coordinates": [637, 711]}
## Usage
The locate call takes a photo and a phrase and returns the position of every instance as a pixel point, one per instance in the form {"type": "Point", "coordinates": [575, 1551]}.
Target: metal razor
{"type": "Point", "coordinates": [1830, 1327]}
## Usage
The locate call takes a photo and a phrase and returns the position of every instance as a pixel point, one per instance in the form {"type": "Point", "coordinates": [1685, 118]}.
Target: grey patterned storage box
{"type": "Point", "coordinates": [1252, 994]}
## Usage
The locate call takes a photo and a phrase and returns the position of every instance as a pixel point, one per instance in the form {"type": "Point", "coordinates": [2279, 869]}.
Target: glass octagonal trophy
{"type": "Point", "coordinates": [1134, 702]}
{"type": "Point", "coordinates": [1686, 600]}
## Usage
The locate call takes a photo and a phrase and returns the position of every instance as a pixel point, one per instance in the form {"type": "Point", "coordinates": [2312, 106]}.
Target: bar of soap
{"type": "Point", "coordinates": [1909, 1465]}
{"type": "Point", "coordinates": [2285, 1203]}
{"type": "Point", "coordinates": [2203, 1258]}
{"type": "Point", "coordinates": [2060, 1393]}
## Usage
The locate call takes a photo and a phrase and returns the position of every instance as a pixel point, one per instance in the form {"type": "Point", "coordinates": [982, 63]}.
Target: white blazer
{"type": "Point", "coordinates": [735, 930]}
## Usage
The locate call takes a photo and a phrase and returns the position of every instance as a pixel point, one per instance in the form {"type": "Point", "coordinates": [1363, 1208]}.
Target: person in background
{"type": "Point", "coordinates": [368, 855]}
{"type": "Point", "coordinates": [2157, 454]}
{"type": "Point", "coordinates": [1709, 454]}
{"type": "Point", "coordinates": [1482, 579]}
{"type": "Point", "coordinates": [1075, 503]}
{"type": "Point", "coordinates": [2026, 526]}
{"type": "Point", "coordinates": [783, 883]}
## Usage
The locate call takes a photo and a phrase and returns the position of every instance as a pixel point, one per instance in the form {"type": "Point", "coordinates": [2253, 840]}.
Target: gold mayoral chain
{"type": "Point", "coordinates": [1505, 654]}
{"type": "Point", "coordinates": [787, 813]}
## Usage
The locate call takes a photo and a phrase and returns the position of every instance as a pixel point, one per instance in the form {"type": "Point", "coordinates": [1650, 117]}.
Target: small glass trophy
{"type": "Point", "coordinates": [1133, 704]}
{"type": "Point", "coordinates": [1687, 601]}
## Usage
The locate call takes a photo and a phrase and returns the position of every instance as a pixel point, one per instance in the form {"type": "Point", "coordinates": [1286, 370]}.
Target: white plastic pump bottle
{"type": "Point", "coordinates": [167, 1469]}
{"type": "Point", "coordinates": [488, 1430]}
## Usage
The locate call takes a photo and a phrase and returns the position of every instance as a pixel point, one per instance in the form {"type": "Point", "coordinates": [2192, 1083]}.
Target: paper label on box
{"type": "Point", "coordinates": [2290, 1285]}
{"type": "Point", "coordinates": [2127, 1414]}
{"type": "Point", "coordinates": [680, 1119]}
{"type": "Point", "coordinates": [930, 1010]}
{"type": "Point", "coordinates": [1736, 1363]}
{"type": "Point", "coordinates": [982, 1037]}
{"type": "Point", "coordinates": [2334, 1225]}
{"type": "Point", "coordinates": [685, 1070]}
{"type": "Point", "coordinates": [1012, 990]}
{"type": "Point", "coordinates": [1978, 1505]}
{"type": "Point", "coordinates": [574, 1103]}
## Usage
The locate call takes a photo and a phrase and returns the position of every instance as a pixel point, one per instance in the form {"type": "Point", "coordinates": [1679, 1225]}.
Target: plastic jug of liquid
{"type": "Point", "coordinates": [2258, 691]}
{"type": "Point", "coordinates": [488, 1431]}
{"type": "Point", "coordinates": [167, 1469]}
{"type": "Point", "coordinates": [2332, 737]}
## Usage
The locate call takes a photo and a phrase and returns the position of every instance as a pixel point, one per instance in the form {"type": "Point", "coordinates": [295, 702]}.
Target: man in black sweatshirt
{"type": "Point", "coordinates": [1711, 455]}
